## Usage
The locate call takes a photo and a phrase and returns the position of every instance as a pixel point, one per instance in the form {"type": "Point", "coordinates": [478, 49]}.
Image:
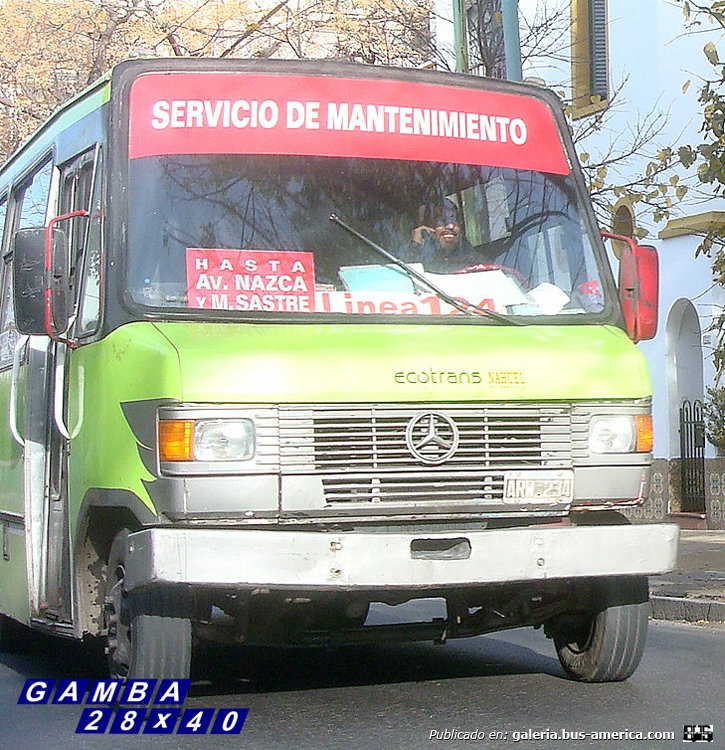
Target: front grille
{"type": "Point", "coordinates": [361, 454]}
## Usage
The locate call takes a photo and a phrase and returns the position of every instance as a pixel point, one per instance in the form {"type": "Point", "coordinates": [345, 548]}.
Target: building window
{"type": "Point", "coordinates": [589, 57]}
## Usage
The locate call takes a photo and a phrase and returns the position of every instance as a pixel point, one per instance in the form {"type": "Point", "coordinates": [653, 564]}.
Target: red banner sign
{"type": "Point", "coordinates": [217, 113]}
{"type": "Point", "coordinates": [250, 280]}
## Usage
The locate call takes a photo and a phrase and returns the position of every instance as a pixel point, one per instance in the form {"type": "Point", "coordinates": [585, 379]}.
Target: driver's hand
{"type": "Point", "coordinates": [417, 234]}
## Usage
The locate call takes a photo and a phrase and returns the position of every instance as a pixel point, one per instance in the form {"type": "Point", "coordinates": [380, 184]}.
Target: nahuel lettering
{"type": "Point", "coordinates": [506, 378]}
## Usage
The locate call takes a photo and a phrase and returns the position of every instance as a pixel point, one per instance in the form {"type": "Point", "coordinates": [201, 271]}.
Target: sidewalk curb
{"type": "Point", "coordinates": [687, 610]}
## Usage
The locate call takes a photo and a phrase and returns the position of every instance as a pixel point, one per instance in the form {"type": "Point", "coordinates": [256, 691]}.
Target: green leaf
{"type": "Point", "coordinates": [711, 53]}
{"type": "Point", "coordinates": [686, 156]}
{"type": "Point", "coordinates": [704, 174]}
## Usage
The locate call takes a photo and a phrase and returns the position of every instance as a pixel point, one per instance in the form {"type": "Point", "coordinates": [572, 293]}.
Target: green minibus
{"type": "Point", "coordinates": [283, 341]}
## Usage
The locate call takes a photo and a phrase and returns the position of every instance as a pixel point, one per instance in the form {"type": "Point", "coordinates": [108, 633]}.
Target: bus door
{"type": "Point", "coordinates": [39, 408]}
{"type": "Point", "coordinates": [55, 603]}
{"type": "Point", "coordinates": [24, 383]}
{"type": "Point", "coordinates": [13, 574]}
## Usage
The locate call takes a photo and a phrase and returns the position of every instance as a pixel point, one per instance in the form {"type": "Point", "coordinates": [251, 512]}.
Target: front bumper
{"type": "Point", "coordinates": [315, 560]}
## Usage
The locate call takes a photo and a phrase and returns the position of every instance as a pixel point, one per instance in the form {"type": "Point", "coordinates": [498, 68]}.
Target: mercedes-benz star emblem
{"type": "Point", "coordinates": [432, 437]}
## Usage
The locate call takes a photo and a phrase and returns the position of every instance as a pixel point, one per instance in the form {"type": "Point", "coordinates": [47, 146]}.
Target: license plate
{"type": "Point", "coordinates": [551, 487]}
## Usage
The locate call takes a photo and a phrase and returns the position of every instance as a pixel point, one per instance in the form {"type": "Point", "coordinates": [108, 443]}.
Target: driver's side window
{"type": "Point", "coordinates": [81, 191]}
{"type": "Point", "coordinates": [8, 331]}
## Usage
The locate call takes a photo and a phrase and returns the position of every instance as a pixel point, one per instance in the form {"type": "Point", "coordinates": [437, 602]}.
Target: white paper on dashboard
{"type": "Point", "coordinates": [549, 298]}
{"type": "Point", "coordinates": [480, 285]}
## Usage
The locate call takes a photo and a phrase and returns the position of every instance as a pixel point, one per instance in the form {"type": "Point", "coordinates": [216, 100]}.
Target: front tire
{"type": "Point", "coordinates": [605, 642]}
{"type": "Point", "coordinates": [143, 641]}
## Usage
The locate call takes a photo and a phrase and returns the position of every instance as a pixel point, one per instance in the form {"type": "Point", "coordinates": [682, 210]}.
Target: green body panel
{"type": "Point", "coordinates": [13, 569]}
{"type": "Point", "coordinates": [135, 363]}
{"type": "Point", "coordinates": [368, 363]}
{"type": "Point", "coordinates": [11, 455]}
{"type": "Point", "coordinates": [255, 363]}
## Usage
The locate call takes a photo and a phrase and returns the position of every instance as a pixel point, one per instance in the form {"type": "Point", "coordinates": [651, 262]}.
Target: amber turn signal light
{"type": "Point", "coordinates": [175, 439]}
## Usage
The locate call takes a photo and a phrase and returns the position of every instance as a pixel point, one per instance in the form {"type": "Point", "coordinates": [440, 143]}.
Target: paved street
{"type": "Point", "coordinates": [395, 697]}
{"type": "Point", "coordinates": [509, 688]}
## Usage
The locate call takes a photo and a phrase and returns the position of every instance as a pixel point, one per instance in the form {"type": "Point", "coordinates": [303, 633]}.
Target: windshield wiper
{"type": "Point", "coordinates": [460, 304]}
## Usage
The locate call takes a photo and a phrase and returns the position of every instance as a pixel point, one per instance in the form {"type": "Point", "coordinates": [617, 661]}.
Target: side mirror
{"type": "Point", "coordinates": [638, 287]}
{"type": "Point", "coordinates": [41, 287]}
{"type": "Point", "coordinates": [29, 280]}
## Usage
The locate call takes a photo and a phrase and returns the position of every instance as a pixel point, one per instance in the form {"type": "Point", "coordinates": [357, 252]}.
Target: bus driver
{"type": "Point", "coordinates": [438, 242]}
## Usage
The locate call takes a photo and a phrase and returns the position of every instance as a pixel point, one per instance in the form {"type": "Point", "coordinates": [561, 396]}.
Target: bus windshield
{"type": "Point", "coordinates": [253, 233]}
{"type": "Point", "coordinates": [468, 191]}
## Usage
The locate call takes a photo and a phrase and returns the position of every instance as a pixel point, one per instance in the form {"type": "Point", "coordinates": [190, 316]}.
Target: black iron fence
{"type": "Point", "coordinates": [692, 457]}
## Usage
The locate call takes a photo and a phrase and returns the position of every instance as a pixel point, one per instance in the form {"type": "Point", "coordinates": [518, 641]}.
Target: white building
{"type": "Point", "coordinates": [640, 63]}
{"type": "Point", "coordinates": [637, 63]}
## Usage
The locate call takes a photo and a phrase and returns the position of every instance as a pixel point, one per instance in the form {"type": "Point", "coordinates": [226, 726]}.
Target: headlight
{"type": "Point", "coordinates": [206, 439]}
{"type": "Point", "coordinates": [224, 440]}
{"type": "Point", "coordinates": [621, 434]}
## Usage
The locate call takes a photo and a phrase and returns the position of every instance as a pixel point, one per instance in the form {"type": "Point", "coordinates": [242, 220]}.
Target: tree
{"type": "Point", "coordinates": [653, 187]}
{"type": "Point", "coordinates": [53, 50]}
{"type": "Point", "coordinates": [708, 156]}
{"type": "Point", "coordinates": [629, 160]}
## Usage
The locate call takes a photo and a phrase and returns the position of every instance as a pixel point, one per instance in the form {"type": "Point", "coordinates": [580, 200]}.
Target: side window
{"type": "Point", "coordinates": [90, 299]}
{"type": "Point", "coordinates": [81, 186]}
{"type": "Point", "coordinates": [32, 198]}
{"type": "Point", "coordinates": [30, 210]}
{"type": "Point", "coordinates": [3, 216]}
{"type": "Point", "coordinates": [8, 333]}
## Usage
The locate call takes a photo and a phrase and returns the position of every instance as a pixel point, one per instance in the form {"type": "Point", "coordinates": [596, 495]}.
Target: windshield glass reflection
{"type": "Point", "coordinates": [252, 234]}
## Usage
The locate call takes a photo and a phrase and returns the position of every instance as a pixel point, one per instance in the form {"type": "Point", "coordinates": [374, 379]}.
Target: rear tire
{"type": "Point", "coordinates": [141, 644]}
{"type": "Point", "coordinates": [605, 643]}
